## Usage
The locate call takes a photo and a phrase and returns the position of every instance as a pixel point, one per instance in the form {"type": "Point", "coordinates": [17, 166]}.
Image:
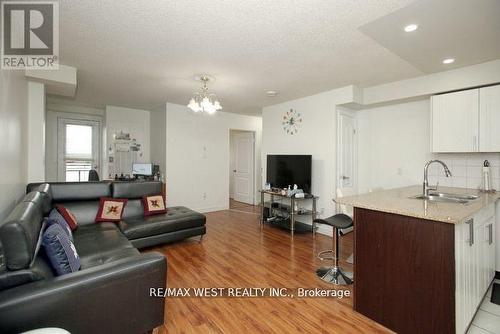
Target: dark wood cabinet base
{"type": "Point", "coordinates": [404, 272]}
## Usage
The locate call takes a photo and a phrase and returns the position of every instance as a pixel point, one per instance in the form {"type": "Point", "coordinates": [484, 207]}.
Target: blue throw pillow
{"type": "Point", "coordinates": [56, 218]}
{"type": "Point", "coordinates": [60, 250]}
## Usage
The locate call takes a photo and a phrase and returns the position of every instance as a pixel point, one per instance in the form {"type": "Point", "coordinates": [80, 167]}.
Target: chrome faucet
{"type": "Point", "coordinates": [426, 187]}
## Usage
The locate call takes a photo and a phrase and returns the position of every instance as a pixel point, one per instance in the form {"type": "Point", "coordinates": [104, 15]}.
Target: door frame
{"type": "Point", "coordinates": [345, 112]}
{"type": "Point", "coordinates": [254, 169]}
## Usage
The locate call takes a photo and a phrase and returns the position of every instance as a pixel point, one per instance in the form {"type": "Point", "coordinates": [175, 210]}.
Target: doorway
{"type": "Point", "coordinates": [78, 149]}
{"type": "Point", "coordinates": [347, 151]}
{"type": "Point", "coordinates": [241, 168]}
{"type": "Point", "coordinates": [347, 161]}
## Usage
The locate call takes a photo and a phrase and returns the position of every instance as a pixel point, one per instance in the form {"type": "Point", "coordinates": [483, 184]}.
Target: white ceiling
{"type": "Point", "coordinates": [466, 30]}
{"type": "Point", "coordinates": [141, 54]}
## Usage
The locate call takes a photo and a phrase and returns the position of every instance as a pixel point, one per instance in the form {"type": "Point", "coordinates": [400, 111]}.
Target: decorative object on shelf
{"type": "Point", "coordinates": [291, 122]}
{"type": "Point", "coordinates": [204, 101]}
{"type": "Point", "coordinates": [121, 136]}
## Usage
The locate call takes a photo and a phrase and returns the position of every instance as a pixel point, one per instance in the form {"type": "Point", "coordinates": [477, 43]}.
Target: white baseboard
{"type": "Point", "coordinates": [212, 209]}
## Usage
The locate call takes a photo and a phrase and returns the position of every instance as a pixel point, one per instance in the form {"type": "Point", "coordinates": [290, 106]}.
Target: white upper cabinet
{"type": "Point", "coordinates": [489, 119]}
{"type": "Point", "coordinates": [455, 121]}
{"type": "Point", "coordinates": [466, 121]}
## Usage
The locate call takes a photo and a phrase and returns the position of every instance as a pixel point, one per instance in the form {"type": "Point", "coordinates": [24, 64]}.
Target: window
{"type": "Point", "coordinates": [79, 141]}
{"type": "Point", "coordinates": [78, 149]}
{"type": "Point", "coordinates": [78, 156]}
{"type": "Point", "coordinates": [78, 153]}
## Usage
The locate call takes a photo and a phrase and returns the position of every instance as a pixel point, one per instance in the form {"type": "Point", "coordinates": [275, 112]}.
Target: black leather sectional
{"type": "Point", "coordinates": [110, 293]}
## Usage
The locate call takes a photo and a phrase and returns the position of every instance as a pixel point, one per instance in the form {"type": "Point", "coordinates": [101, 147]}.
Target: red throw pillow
{"type": "Point", "coordinates": [68, 216]}
{"type": "Point", "coordinates": [153, 205]}
{"type": "Point", "coordinates": [110, 209]}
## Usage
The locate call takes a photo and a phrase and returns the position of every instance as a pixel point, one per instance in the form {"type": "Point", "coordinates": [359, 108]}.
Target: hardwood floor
{"type": "Point", "coordinates": [235, 252]}
{"type": "Point", "coordinates": [243, 207]}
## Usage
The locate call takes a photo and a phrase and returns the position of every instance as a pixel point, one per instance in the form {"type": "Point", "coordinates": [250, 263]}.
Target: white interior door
{"type": "Point", "coordinates": [346, 152]}
{"type": "Point", "coordinates": [243, 172]}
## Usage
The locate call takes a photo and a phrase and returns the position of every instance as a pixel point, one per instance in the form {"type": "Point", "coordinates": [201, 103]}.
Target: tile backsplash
{"type": "Point", "coordinates": [466, 169]}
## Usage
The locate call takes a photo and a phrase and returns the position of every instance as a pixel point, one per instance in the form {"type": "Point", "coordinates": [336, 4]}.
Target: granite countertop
{"type": "Point", "coordinates": [398, 201]}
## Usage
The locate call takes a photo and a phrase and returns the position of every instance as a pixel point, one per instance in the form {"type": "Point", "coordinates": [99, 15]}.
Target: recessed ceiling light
{"type": "Point", "coordinates": [411, 27]}
{"type": "Point", "coordinates": [448, 60]}
{"type": "Point", "coordinates": [271, 93]}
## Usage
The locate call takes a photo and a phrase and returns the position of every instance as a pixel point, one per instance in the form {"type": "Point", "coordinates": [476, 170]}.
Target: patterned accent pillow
{"type": "Point", "coordinates": [153, 205]}
{"type": "Point", "coordinates": [110, 209]}
{"type": "Point", "coordinates": [60, 250]}
{"type": "Point", "coordinates": [69, 217]}
{"type": "Point", "coordinates": [56, 218]}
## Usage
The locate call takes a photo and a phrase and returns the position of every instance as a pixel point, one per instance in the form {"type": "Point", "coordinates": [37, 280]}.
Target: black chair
{"type": "Point", "coordinates": [334, 274]}
{"type": "Point", "coordinates": [93, 175]}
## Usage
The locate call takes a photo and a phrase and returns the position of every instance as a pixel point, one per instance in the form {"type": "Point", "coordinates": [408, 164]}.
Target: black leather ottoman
{"type": "Point", "coordinates": [178, 223]}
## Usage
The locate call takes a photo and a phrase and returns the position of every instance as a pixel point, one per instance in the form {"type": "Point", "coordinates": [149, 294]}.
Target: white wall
{"type": "Point", "coordinates": [394, 145]}
{"type": "Point", "coordinates": [197, 161]}
{"type": "Point", "coordinates": [36, 132]}
{"type": "Point", "coordinates": [158, 137]}
{"type": "Point", "coordinates": [13, 127]}
{"type": "Point", "coordinates": [316, 136]}
{"type": "Point", "coordinates": [133, 121]}
{"type": "Point", "coordinates": [58, 105]}
{"type": "Point", "coordinates": [460, 78]}
{"type": "Point", "coordinates": [61, 81]}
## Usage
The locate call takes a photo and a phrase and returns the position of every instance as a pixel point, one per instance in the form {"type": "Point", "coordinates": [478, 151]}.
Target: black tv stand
{"type": "Point", "coordinates": [285, 215]}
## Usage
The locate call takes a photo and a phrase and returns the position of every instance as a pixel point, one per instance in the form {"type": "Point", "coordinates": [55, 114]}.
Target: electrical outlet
{"type": "Point", "coordinates": [400, 171]}
{"type": "Point", "coordinates": [204, 196]}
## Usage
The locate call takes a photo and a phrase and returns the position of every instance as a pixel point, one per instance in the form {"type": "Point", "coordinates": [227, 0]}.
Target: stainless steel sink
{"type": "Point", "coordinates": [458, 196]}
{"type": "Point", "coordinates": [446, 197]}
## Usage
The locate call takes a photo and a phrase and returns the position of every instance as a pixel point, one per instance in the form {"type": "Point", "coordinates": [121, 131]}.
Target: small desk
{"type": "Point", "coordinates": [291, 210]}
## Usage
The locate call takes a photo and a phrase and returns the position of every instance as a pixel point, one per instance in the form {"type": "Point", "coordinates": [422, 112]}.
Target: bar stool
{"type": "Point", "coordinates": [334, 274]}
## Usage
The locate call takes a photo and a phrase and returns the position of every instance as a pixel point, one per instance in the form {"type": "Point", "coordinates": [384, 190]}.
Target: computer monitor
{"type": "Point", "coordinates": [142, 169]}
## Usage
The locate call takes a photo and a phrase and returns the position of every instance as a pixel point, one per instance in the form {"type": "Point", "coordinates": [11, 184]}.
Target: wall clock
{"type": "Point", "coordinates": [291, 122]}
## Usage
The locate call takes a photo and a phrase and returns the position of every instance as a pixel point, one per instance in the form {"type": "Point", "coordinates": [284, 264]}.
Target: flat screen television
{"type": "Point", "coordinates": [285, 170]}
{"type": "Point", "coordinates": [142, 169]}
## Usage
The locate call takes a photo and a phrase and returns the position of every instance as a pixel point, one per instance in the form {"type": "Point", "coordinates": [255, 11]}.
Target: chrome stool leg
{"type": "Point", "coordinates": [335, 274]}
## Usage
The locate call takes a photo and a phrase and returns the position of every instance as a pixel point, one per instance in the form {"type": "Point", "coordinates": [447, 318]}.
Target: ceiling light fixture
{"type": "Point", "coordinates": [411, 27]}
{"type": "Point", "coordinates": [448, 60]}
{"type": "Point", "coordinates": [271, 93]}
{"type": "Point", "coordinates": [204, 101]}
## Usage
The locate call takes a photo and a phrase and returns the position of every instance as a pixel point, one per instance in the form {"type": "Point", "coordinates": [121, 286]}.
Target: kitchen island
{"type": "Point", "coordinates": [422, 266]}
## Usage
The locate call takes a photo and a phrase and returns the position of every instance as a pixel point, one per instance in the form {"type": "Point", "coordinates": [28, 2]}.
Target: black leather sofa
{"type": "Point", "coordinates": [110, 293]}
